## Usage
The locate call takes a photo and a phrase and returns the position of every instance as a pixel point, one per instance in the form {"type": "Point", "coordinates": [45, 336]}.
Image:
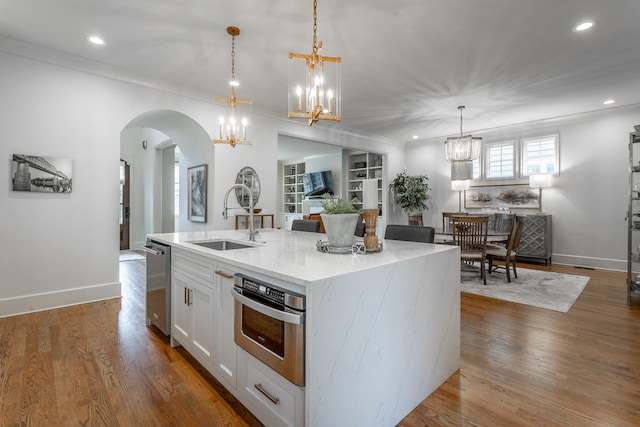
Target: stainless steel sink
{"type": "Point", "coordinates": [222, 245]}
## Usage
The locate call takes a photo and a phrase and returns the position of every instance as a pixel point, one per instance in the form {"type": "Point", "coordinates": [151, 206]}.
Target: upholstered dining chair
{"type": "Point", "coordinates": [506, 256]}
{"type": "Point", "coordinates": [470, 233]}
{"type": "Point", "coordinates": [410, 233]}
{"type": "Point", "coordinates": [305, 225]}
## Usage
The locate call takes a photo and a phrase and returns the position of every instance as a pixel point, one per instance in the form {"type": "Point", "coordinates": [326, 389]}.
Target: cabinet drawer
{"type": "Point", "coordinates": [198, 268]}
{"type": "Point", "coordinates": [287, 406]}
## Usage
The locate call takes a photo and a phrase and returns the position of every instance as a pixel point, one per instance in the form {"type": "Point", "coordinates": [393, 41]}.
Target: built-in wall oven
{"type": "Point", "coordinates": [269, 324]}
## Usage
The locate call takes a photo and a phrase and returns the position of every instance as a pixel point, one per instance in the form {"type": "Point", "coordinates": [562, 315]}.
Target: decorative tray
{"type": "Point", "coordinates": [357, 248]}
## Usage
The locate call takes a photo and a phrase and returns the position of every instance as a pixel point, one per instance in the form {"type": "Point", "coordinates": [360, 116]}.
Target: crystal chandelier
{"type": "Point", "coordinates": [320, 96]}
{"type": "Point", "coordinates": [461, 151]}
{"type": "Point", "coordinates": [233, 129]}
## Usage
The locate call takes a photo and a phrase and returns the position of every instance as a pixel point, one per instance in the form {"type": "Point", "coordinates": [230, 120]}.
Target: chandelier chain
{"type": "Point", "coordinates": [233, 65]}
{"type": "Point", "coordinates": [315, 27]}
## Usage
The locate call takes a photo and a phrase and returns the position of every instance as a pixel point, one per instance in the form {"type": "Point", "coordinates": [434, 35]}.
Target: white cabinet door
{"type": "Point", "coordinates": [180, 311]}
{"type": "Point", "coordinates": [202, 300]}
{"type": "Point", "coordinates": [225, 349]}
{"type": "Point", "coordinates": [192, 317]}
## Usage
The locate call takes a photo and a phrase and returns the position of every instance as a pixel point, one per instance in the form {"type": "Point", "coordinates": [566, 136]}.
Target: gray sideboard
{"type": "Point", "coordinates": [535, 243]}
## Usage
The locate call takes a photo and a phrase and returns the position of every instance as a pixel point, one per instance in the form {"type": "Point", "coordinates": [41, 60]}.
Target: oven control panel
{"type": "Point", "coordinates": [269, 292]}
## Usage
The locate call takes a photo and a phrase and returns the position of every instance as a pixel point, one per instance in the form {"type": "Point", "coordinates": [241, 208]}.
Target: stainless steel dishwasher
{"type": "Point", "coordinates": [158, 285]}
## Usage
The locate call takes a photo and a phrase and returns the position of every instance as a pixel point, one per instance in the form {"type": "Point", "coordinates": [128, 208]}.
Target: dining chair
{"type": "Point", "coordinates": [446, 220]}
{"type": "Point", "coordinates": [410, 233]}
{"type": "Point", "coordinates": [507, 255]}
{"type": "Point", "coordinates": [503, 223]}
{"type": "Point", "coordinates": [470, 234]}
{"type": "Point", "coordinates": [305, 225]}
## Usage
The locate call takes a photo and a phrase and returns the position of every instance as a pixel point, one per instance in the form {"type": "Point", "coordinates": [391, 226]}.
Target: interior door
{"type": "Point", "coordinates": [124, 204]}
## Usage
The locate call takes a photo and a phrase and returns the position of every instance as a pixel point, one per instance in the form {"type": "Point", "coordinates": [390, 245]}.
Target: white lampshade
{"type": "Point", "coordinates": [542, 180]}
{"type": "Point", "coordinates": [460, 184]}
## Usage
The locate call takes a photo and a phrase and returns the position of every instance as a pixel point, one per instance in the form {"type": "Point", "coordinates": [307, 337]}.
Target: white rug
{"type": "Point", "coordinates": [130, 256]}
{"type": "Point", "coordinates": [544, 289]}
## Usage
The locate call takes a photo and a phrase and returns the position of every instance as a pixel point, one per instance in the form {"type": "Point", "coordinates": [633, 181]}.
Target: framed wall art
{"type": "Point", "coordinates": [500, 197]}
{"type": "Point", "coordinates": [197, 204]}
{"type": "Point", "coordinates": [41, 174]}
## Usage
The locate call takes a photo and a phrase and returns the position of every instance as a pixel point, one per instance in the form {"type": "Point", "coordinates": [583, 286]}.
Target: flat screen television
{"type": "Point", "coordinates": [317, 183]}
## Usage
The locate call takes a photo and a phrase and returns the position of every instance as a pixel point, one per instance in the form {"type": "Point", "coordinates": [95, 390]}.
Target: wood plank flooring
{"type": "Point", "coordinates": [96, 364]}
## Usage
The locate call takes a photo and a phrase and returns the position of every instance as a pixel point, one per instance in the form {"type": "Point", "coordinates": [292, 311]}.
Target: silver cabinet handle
{"type": "Point", "coordinates": [274, 400]}
{"type": "Point", "coordinates": [152, 251]}
{"type": "Point", "coordinates": [284, 316]}
{"type": "Point", "coordinates": [223, 274]}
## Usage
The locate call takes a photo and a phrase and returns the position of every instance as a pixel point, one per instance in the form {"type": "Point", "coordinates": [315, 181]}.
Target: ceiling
{"type": "Point", "coordinates": [407, 64]}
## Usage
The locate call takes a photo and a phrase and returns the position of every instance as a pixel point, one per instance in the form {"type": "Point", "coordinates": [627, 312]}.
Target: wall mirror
{"type": "Point", "coordinates": [249, 177]}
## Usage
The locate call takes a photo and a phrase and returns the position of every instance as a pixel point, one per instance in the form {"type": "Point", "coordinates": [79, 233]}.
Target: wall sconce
{"type": "Point", "coordinates": [540, 181]}
{"type": "Point", "coordinates": [460, 186]}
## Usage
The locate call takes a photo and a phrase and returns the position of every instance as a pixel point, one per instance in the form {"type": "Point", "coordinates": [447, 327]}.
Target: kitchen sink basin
{"type": "Point", "coordinates": [222, 245]}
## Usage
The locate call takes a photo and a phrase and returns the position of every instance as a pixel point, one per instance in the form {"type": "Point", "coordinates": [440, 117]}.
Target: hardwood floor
{"type": "Point", "coordinates": [96, 364]}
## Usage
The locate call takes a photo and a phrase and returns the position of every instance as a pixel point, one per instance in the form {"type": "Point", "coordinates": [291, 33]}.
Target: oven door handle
{"type": "Point", "coordinates": [296, 319]}
{"type": "Point", "coordinates": [151, 250]}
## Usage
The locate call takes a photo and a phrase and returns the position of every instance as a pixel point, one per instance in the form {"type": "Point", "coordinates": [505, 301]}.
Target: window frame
{"type": "Point", "coordinates": [485, 159]}
{"type": "Point", "coordinates": [523, 154]}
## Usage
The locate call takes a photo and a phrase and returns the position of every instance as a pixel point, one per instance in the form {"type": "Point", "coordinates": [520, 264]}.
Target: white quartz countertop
{"type": "Point", "coordinates": [292, 255]}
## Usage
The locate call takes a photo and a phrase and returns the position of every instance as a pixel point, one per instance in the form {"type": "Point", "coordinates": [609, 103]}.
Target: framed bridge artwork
{"type": "Point", "coordinates": [41, 174]}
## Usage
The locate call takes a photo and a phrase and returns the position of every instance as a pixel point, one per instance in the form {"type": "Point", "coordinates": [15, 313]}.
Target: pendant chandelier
{"type": "Point", "coordinates": [461, 151]}
{"type": "Point", "coordinates": [233, 128]}
{"type": "Point", "coordinates": [314, 83]}
{"type": "Point", "coordinates": [463, 148]}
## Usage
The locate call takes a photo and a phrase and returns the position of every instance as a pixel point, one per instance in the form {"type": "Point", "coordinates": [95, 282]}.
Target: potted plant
{"type": "Point", "coordinates": [411, 192]}
{"type": "Point", "coordinates": [339, 218]}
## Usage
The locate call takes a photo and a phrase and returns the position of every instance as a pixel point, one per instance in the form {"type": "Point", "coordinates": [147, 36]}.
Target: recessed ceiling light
{"type": "Point", "coordinates": [96, 40]}
{"type": "Point", "coordinates": [609, 102]}
{"type": "Point", "coordinates": [583, 26]}
{"type": "Point", "coordinates": [415, 137]}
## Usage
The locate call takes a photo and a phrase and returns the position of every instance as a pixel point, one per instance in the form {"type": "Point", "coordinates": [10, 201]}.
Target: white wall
{"type": "Point", "coordinates": [588, 200]}
{"type": "Point", "coordinates": [63, 249]}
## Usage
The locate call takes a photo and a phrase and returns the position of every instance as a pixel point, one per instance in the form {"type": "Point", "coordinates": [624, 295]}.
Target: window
{"type": "Point", "coordinates": [476, 168]}
{"type": "Point", "coordinates": [499, 160]}
{"type": "Point", "coordinates": [540, 155]}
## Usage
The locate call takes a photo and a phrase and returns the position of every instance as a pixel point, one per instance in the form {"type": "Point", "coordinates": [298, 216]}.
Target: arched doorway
{"type": "Point", "coordinates": [148, 143]}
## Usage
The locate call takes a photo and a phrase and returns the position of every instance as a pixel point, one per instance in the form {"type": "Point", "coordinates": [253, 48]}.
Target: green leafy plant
{"type": "Point", "coordinates": [411, 192]}
{"type": "Point", "coordinates": [338, 205]}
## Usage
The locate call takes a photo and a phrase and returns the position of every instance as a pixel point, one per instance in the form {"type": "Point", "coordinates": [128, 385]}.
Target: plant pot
{"type": "Point", "coordinates": [415, 218]}
{"type": "Point", "coordinates": [340, 229]}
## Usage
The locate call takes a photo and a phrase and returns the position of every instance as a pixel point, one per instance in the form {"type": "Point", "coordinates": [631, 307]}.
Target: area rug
{"type": "Point", "coordinates": [130, 256]}
{"type": "Point", "coordinates": [544, 289]}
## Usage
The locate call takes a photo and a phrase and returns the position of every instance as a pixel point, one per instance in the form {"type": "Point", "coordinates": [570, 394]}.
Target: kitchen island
{"type": "Point", "coordinates": [382, 329]}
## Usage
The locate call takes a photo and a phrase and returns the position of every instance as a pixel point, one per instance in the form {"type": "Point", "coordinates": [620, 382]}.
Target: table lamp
{"type": "Point", "coordinates": [459, 186]}
{"type": "Point", "coordinates": [540, 181]}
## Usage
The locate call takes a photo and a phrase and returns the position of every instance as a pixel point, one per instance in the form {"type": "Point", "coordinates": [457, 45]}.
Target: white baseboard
{"type": "Point", "coordinates": [63, 298]}
{"type": "Point", "coordinates": [581, 261]}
